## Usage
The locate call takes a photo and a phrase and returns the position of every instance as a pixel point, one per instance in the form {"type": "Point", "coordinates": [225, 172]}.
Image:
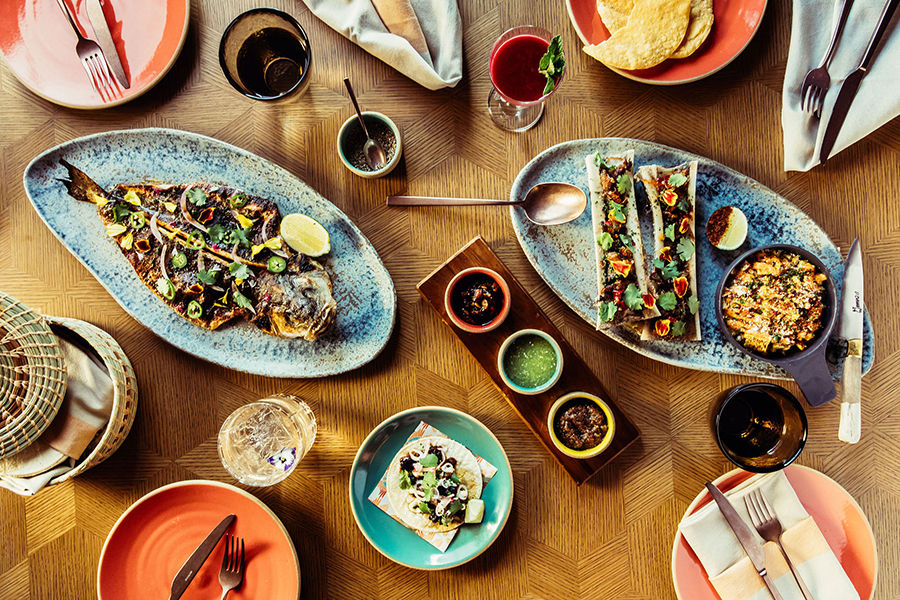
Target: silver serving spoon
{"type": "Point", "coordinates": [375, 155]}
{"type": "Point", "coordinates": [544, 204]}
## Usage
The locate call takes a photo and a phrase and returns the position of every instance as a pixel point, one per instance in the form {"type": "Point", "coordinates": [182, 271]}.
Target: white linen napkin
{"type": "Point", "coordinates": [434, 64]}
{"type": "Point", "coordinates": [878, 98]}
{"type": "Point", "coordinates": [730, 570]}
{"type": "Point", "coordinates": [84, 411]}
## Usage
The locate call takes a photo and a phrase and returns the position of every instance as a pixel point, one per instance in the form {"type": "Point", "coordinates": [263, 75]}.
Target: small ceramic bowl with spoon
{"type": "Point", "coordinates": [368, 144]}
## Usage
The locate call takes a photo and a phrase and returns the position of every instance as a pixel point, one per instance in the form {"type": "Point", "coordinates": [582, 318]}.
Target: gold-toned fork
{"type": "Point", "coordinates": [769, 528]}
{"type": "Point", "coordinates": [232, 572]}
{"type": "Point", "coordinates": [93, 60]}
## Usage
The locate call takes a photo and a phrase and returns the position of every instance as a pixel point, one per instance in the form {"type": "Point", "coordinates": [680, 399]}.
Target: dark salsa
{"type": "Point", "coordinates": [580, 424]}
{"type": "Point", "coordinates": [621, 296]}
{"type": "Point", "coordinates": [670, 273]}
{"type": "Point", "coordinates": [477, 299]}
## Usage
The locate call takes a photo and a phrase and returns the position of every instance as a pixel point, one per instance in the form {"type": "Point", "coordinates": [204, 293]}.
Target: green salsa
{"type": "Point", "coordinates": [530, 361]}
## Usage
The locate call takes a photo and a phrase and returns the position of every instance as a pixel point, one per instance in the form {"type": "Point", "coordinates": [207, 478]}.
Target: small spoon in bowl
{"type": "Point", "coordinates": [544, 204]}
{"type": "Point", "coordinates": [375, 154]}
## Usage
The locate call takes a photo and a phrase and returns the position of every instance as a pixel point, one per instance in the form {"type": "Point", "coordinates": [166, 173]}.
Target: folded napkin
{"type": "Point", "coordinates": [84, 411]}
{"type": "Point", "coordinates": [439, 539]}
{"type": "Point", "coordinates": [730, 570]}
{"type": "Point", "coordinates": [420, 38]}
{"type": "Point", "coordinates": [878, 98]}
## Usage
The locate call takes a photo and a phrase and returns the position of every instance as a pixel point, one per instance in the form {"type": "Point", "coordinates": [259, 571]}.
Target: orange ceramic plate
{"type": "Point", "coordinates": [150, 542]}
{"type": "Point", "coordinates": [837, 514]}
{"type": "Point", "coordinates": [39, 45]}
{"type": "Point", "coordinates": [736, 22]}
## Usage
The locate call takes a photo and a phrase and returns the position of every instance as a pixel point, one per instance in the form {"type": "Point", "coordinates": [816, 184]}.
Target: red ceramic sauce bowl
{"type": "Point", "coordinates": [455, 317]}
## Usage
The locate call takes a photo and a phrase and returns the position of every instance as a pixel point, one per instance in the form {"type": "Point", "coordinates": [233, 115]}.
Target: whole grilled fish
{"type": "Point", "coordinates": [212, 254]}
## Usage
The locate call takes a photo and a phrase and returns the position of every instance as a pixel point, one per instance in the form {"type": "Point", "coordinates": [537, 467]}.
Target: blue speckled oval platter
{"type": "Point", "coordinates": [564, 256]}
{"type": "Point", "coordinates": [363, 290]}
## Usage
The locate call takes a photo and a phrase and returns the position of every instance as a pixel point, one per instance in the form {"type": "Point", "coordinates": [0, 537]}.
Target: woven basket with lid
{"type": "Point", "coordinates": [32, 375]}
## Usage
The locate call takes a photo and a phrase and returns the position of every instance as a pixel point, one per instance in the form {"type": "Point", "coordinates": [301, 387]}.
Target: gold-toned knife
{"type": "Point", "coordinates": [187, 572]}
{"type": "Point", "coordinates": [750, 544]}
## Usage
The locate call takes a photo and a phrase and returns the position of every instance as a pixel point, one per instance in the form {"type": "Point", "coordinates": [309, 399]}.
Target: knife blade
{"type": "Point", "coordinates": [104, 38]}
{"type": "Point", "coordinates": [745, 536]}
{"type": "Point", "coordinates": [851, 84]}
{"type": "Point", "coordinates": [195, 561]}
{"type": "Point", "coordinates": [852, 331]}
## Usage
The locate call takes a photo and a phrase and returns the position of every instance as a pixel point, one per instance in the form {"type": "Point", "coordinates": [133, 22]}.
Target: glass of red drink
{"type": "Point", "coordinates": [516, 101]}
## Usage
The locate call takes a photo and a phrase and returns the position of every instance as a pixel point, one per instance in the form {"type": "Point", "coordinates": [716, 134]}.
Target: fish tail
{"type": "Point", "coordinates": [81, 187]}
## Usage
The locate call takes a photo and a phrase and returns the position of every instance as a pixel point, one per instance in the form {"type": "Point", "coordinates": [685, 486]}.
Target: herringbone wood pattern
{"type": "Point", "coordinates": [610, 538]}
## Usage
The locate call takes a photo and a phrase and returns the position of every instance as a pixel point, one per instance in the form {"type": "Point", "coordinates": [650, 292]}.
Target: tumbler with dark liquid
{"type": "Point", "coordinates": [265, 55]}
{"type": "Point", "coordinates": [760, 427]}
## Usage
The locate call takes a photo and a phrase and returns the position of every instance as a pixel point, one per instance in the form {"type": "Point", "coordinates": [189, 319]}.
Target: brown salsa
{"type": "Point", "coordinates": [580, 424]}
{"type": "Point", "coordinates": [477, 299]}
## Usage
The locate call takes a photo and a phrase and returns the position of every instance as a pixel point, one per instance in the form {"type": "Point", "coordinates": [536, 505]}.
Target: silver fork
{"type": "Point", "coordinates": [93, 60]}
{"type": "Point", "coordinates": [817, 81]}
{"type": "Point", "coordinates": [232, 572]}
{"type": "Point", "coordinates": [769, 528]}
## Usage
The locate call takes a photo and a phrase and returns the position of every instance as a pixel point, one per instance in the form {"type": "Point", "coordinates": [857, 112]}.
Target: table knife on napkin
{"type": "Point", "coordinates": [851, 84]}
{"type": "Point", "coordinates": [104, 38]}
{"type": "Point", "coordinates": [745, 536]}
{"type": "Point", "coordinates": [195, 561]}
{"type": "Point", "coordinates": [852, 331]}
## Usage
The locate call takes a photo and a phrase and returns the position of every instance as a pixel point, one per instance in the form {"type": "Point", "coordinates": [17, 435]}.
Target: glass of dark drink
{"type": "Point", "coordinates": [516, 100]}
{"type": "Point", "coordinates": [265, 55]}
{"type": "Point", "coordinates": [760, 427]}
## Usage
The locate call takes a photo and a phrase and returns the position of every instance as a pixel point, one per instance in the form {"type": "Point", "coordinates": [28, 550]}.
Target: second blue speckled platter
{"type": "Point", "coordinates": [564, 255]}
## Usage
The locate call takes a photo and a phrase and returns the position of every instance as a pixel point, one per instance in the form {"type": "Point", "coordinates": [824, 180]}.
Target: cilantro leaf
{"type": "Point", "coordinates": [677, 179]}
{"type": "Point", "coordinates": [605, 240]}
{"type": "Point", "coordinates": [685, 248]}
{"type": "Point", "coordinates": [405, 483]}
{"type": "Point", "coordinates": [120, 211]}
{"type": "Point", "coordinates": [239, 236]}
{"type": "Point", "coordinates": [241, 300]}
{"type": "Point", "coordinates": [693, 304]}
{"type": "Point", "coordinates": [670, 271]}
{"type": "Point", "coordinates": [667, 301]}
{"type": "Point", "coordinates": [429, 480]}
{"type": "Point", "coordinates": [683, 205]}
{"type": "Point", "coordinates": [217, 233]}
{"type": "Point", "coordinates": [208, 277]}
{"type": "Point", "coordinates": [429, 494]}
{"type": "Point", "coordinates": [608, 311]}
{"type": "Point", "coordinates": [670, 232]}
{"type": "Point", "coordinates": [601, 162]}
{"type": "Point", "coordinates": [454, 478]}
{"type": "Point", "coordinates": [454, 507]}
{"type": "Point", "coordinates": [623, 183]}
{"type": "Point", "coordinates": [678, 328]}
{"type": "Point", "coordinates": [616, 210]}
{"type": "Point", "coordinates": [659, 263]}
{"type": "Point", "coordinates": [633, 298]}
{"type": "Point", "coordinates": [196, 196]}
{"type": "Point", "coordinates": [627, 241]}
{"type": "Point", "coordinates": [424, 507]}
{"type": "Point", "coordinates": [240, 270]}
{"type": "Point", "coordinates": [430, 460]}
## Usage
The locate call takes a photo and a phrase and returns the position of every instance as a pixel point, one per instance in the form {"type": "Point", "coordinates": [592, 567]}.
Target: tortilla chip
{"type": "Point", "coordinates": [698, 29]}
{"type": "Point", "coordinates": [653, 32]}
{"type": "Point", "coordinates": [614, 13]}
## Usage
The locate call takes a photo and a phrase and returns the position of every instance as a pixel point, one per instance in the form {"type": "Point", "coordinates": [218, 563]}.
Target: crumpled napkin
{"type": "Point", "coordinates": [878, 98]}
{"type": "Point", "coordinates": [730, 570]}
{"type": "Point", "coordinates": [84, 411]}
{"type": "Point", "coordinates": [420, 38]}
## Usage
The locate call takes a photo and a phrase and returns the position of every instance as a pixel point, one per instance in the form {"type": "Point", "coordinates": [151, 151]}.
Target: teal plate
{"type": "Point", "coordinates": [395, 541]}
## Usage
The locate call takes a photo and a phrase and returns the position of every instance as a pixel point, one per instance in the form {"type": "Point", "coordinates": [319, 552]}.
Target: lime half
{"type": "Point", "coordinates": [305, 235]}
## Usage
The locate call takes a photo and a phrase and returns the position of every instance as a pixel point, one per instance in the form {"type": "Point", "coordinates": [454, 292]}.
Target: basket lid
{"type": "Point", "coordinates": [32, 375]}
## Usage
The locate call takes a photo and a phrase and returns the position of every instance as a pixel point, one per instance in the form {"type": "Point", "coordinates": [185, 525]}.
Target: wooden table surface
{"type": "Point", "coordinates": [610, 538]}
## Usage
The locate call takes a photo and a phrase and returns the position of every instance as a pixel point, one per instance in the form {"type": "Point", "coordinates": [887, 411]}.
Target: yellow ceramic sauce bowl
{"type": "Point", "coordinates": [590, 452]}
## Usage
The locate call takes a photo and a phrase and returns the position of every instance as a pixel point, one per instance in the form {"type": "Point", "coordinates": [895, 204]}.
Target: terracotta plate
{"type": "Point", "coordinates": [837, 514]}
{"type": "Point", "coordinates": [150, 542]}
{"type": "Point", "coordinates": [736, 22]}
{"type": "Point", "coordinates": [39, 45]}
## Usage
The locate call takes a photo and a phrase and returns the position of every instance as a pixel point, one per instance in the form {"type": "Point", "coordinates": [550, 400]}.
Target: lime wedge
{"type": "Point", "coordinates": [305, 235]}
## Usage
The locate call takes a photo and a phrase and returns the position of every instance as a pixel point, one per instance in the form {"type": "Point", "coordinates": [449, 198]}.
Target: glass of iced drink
{"type": "Point", "coordinates": [261, 443]}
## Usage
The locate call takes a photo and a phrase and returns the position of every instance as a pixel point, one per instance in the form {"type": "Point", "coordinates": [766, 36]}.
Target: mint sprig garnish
{"type": "Point", "coordinates": [553, 63]}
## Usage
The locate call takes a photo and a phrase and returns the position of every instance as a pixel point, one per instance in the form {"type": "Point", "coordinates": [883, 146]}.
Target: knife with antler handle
{"type": "Point", "coordinates": [852, 331]}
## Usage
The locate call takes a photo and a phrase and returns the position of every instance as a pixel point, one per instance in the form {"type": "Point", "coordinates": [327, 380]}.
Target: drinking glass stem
{"type": "Point", "coordinates": [511, 117]}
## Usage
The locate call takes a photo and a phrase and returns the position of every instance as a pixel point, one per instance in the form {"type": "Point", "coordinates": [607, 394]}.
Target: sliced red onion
{"type": "Point", "coordinates": [162, 262]}
{"type": "Point", "coordinates": [154, 229]}
{"type": "Point", "coordinates": [280, 253]}
{"type": "Point", "coordinates": [187, 215]}
{"type": "Point", "coordinates": [217, 288]}
{"type": "Point", "coordinates": [201, 264]}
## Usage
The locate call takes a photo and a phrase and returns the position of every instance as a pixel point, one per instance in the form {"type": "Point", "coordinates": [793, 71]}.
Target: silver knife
{"type": "Point", "coordinates": [195, 561]}
{"type": "Point", "coordinates": [745, 537]}
{"type": "Point", "coordinates": [104, 38]}
{"type": "Point", "coordinates": [852, 331]}
{"type": "Point", "coordinates": [851, 84]}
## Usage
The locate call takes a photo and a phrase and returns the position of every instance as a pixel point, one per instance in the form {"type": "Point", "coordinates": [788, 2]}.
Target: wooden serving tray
{"type": "Point", "coordinates": [525, 314]}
